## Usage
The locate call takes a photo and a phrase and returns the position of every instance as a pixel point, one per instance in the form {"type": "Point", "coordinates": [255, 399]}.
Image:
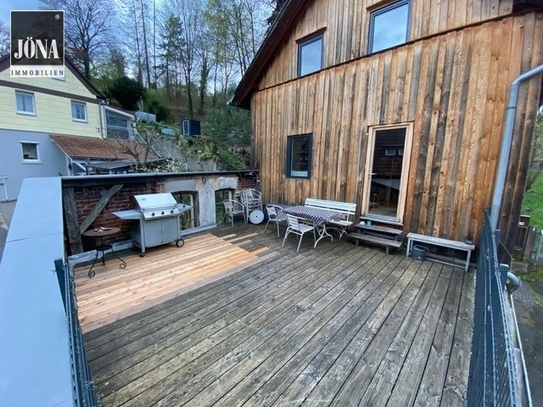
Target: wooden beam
{"type": "Point", "coordinates": [98, 208]}
{"type": "Point", "coordinates": [70, 216]}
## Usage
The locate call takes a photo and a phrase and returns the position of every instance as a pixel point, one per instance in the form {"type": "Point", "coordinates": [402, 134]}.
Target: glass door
{"type": "Point", "coordinates": [387, 167]}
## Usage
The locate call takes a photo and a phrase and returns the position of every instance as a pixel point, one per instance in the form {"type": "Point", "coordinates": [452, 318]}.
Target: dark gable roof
{"type": "Point", "coordinates": [5, 64]}
{"type": "Point", "coordinates": [280, 29]}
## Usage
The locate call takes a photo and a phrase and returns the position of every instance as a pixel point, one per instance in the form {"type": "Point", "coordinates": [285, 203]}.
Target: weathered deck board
{"type": "Point", "coordinates": [162, 274]}
{"type": "Point", "coordinates": [337, 325]}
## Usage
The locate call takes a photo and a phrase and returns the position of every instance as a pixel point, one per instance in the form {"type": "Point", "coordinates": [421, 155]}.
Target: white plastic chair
{"type": "Point", "coordinates": [272, 216]}
{"type": "Point", "coordinates": [233, 208]}
{"type": "Point", "coordinates": [298, 228]}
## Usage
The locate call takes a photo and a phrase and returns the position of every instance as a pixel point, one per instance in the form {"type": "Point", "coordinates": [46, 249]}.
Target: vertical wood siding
{"type": "Point", "coordinates": [347, 22]}
{"type": "Point", "coordinates": [451, 87]}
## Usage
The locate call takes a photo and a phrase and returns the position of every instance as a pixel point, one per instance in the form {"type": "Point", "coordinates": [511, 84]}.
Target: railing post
{"type": "Point", "coordinates": [60, 270]}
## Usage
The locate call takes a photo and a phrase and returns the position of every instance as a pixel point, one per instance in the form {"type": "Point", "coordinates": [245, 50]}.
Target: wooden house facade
{"type": "Point", "coordinates": [397, 106]}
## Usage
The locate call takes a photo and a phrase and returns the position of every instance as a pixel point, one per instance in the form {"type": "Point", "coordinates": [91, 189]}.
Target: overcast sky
{"type": "Point", "coordinates": [7, 5]}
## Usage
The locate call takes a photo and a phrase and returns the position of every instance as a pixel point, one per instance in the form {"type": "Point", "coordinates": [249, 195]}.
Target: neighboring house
{"type": "Point", "coordinates": [31, 109]}
{"type": "Point", "coordinates": [90, 156]}
{"type": "Point", "coordinates": [397, 106]}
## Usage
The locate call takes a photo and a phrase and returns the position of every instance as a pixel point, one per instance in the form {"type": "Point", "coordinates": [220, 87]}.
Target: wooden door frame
{"type": "Point", "coordinates": [372, 130]}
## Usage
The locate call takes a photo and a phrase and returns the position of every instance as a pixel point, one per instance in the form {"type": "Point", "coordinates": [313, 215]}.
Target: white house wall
{"type": "Point", "coordinates": [51, 163]}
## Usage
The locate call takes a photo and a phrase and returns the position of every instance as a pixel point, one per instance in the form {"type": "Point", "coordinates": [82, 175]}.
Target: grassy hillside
{"type": "Point", "coordinates": [532, 204]}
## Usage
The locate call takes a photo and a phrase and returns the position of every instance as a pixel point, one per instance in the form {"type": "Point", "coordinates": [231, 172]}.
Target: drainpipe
{"type": "Point", "coordinates": [511, 111]}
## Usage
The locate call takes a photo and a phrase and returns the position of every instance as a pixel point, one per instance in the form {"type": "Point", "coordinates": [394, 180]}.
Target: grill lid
{"type": "Point", "coordinates": [150, 202]}
{"type": "Point", "coordinates": [153, 206]}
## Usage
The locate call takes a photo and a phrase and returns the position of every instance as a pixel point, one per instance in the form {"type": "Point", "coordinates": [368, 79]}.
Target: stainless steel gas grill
{"type": "Point", "coordinates": [155, 220]}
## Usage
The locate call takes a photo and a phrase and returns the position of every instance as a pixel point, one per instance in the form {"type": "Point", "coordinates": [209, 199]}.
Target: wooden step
{"type": "Point", "coordinates": [379, 241]}
{"type": "Point", "coordinates": [385, 220]}
{"type": "Point", "coordinates": [379, 229]}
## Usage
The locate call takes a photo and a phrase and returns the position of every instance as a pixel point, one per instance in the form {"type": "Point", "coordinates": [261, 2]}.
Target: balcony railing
{"type": "Point", "coordinates": [494, 378]}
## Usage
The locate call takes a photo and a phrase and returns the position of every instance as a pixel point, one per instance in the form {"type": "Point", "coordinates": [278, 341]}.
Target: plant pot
{"type": "Point", "coordinates": [419, 252]}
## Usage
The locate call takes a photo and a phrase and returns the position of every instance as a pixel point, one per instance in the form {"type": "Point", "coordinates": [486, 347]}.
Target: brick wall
{"type": "Point", "coordinates": [87, 198]}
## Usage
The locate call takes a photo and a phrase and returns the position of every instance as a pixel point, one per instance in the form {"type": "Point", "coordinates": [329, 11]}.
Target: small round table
{"type": "Point", "coordinates": [102, 234]}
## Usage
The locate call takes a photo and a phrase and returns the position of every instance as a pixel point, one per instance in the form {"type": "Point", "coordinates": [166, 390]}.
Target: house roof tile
{"type": "Point", "coordinates": [93, 148]}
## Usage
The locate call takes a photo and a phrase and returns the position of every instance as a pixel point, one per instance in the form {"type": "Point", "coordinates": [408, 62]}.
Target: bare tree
{"type": "Point", "coordinates": [237, 28]}
{"type": "Point", "coordinates": [4, 38]}
{"type": "Point", "coordinates": [145, 43]}
{"type": "Point", "coordinates": [88, 28]}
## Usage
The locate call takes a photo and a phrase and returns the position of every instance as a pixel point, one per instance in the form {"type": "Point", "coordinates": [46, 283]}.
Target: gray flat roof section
{"type": "Point", "coordinates": [35, 368]}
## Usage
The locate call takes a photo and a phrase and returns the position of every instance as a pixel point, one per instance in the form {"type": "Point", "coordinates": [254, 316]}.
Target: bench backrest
{"type": "Point", "coordinates": [346, 208]}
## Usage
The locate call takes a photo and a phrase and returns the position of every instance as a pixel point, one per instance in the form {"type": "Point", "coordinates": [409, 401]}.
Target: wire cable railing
{"type": "Point", "coordinates": [493, 377]}
{"type": "Point", "coordinates": [83, 386]}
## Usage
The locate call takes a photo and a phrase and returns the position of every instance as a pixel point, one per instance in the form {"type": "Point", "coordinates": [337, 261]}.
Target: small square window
{"type": "Point", "coordinates": [30, 151]}
{"type": "Point", "coordinates": [25, 102]}
{"type": "Point", "coordinates": [299, 152]}
{"type": "Point", "coordinates": [79, 112]}
{"type": "Point", "coordinates": [389, 26]}
{"type": "Point", "coordinates": [310, 55]}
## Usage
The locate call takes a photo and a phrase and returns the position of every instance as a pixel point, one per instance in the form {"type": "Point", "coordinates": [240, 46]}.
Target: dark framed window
{"type": "Point", "coordinates": [299, 152]}
{"type": "Point", "coordinates": [389, 26]}
{"type": "Point", "coordinates": [310, 55]}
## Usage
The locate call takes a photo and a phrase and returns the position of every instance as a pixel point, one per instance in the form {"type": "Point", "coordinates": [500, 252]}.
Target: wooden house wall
{"type": "Point", "coordinates": [451, 87]}
{"type": "Point", "coordinates": [347, 22]}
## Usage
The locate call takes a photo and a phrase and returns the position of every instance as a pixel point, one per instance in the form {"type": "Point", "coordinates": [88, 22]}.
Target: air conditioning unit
{"type": "Point", "coordinates": [190, 127]}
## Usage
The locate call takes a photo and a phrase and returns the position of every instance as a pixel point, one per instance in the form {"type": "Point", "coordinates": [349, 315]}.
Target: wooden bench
{"type": "Point", "coordinates": [380, 241]}
{"type": "Point", "coordinates": [346, 210]}
{"type": "Point", "coordinates": [413, 238]}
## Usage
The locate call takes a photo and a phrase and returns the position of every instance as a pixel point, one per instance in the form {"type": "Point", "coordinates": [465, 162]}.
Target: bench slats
{"type": "Point", "coordinates": [345, 208]}
{"type": "Point", "coordinates": [437, 241]}
{"type": "Point", "coordinates": [336, 206]}
{"type": "Point", "coordinates": [453, 244]}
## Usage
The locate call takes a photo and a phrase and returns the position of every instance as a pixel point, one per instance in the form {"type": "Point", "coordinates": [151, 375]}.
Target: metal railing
{"type": "Point", "coordinates": [83, 386]}
{"type": "Point", "coordinates": [493, 377]}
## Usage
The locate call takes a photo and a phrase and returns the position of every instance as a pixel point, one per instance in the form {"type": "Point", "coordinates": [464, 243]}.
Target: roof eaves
{"type": "Point", "coordinates": [279, 30]}
{"type": "Point", "coordinates": [5, 64]}
{"type": "Point", "coordinates": [119, 111]}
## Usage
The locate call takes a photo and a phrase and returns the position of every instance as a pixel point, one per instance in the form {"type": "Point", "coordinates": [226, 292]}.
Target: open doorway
{"type": "Point", "coordinates": [387, 171]}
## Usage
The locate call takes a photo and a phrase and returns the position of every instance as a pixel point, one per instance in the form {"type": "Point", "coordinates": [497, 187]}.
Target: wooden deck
{"type": "Point", "coordinates": [233, 318]}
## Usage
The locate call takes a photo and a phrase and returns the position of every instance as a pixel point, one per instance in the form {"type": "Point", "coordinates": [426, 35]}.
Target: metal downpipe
{"type": "Point", "coordinates": [503, 162]}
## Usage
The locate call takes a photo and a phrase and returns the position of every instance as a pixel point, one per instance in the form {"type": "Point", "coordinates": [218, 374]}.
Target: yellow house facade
{"type": "Point", "coordinates": [34, 109]}
{"type": "Point", "coordinates": [69, 105]}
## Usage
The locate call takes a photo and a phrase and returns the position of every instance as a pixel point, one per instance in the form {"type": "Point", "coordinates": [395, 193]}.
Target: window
{"type": "Point", "coordinates": [388, 26]}
{"type": "Point", "coordinates": [310, 55]}
{"type": "Point", "coordinates": [187, 218]}
{"type": "Point", "coordinates": [117, 127]}
{"type": "Point", "coordinates": [25, 102]}
{"type": "Point", "coordinates": [79, 112]}
{"type": "Point", "coordinates": [299, 156]}
{"type": "Point", "coordinates": [222, 195]}
{"type": "Point", "coordinates": [30, 151]}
